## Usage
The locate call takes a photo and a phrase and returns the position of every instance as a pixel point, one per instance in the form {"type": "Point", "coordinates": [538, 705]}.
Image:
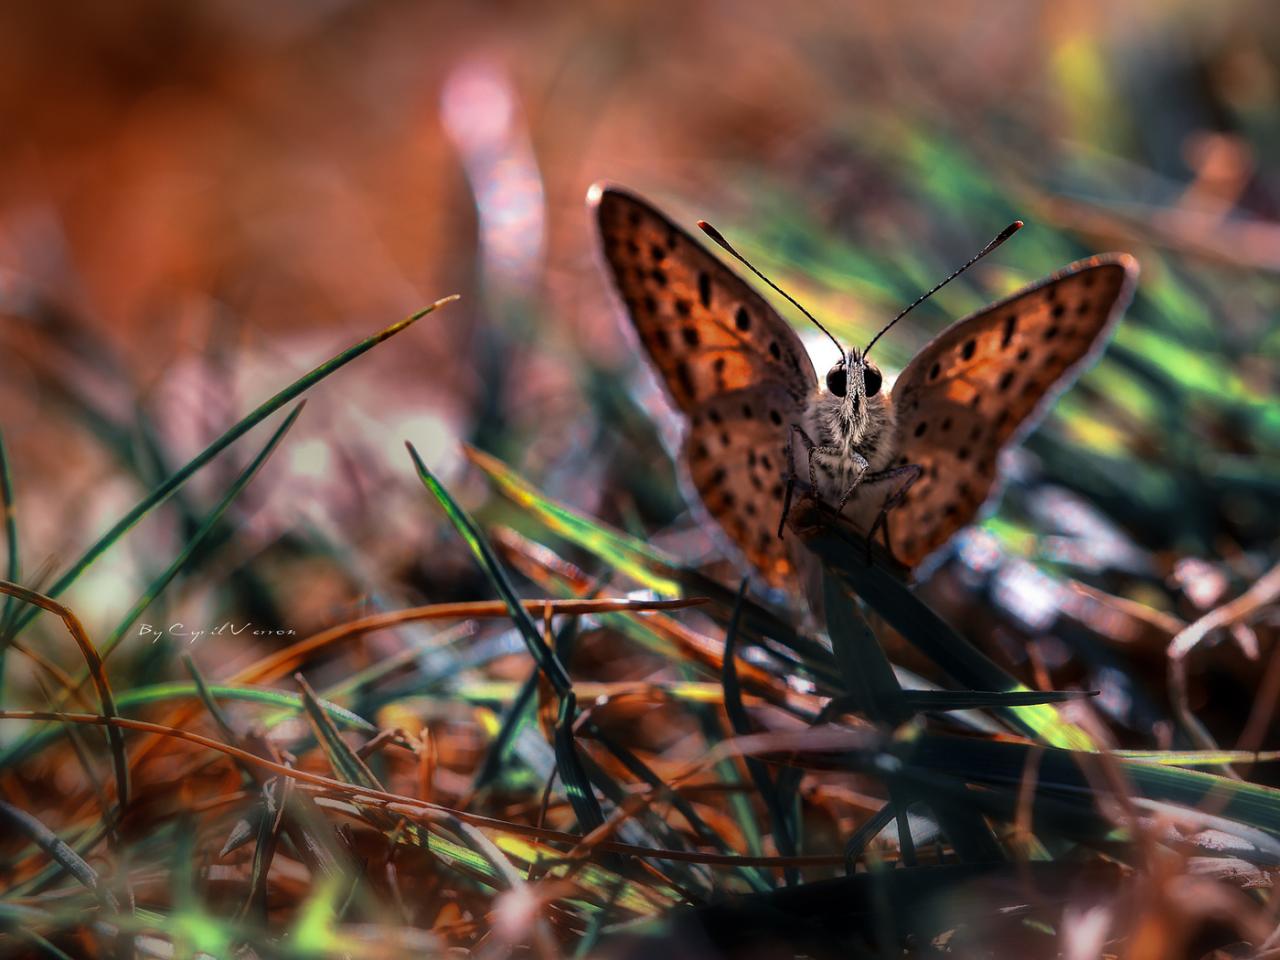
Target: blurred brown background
{"type": "Point", "coordinates": [199, 200]}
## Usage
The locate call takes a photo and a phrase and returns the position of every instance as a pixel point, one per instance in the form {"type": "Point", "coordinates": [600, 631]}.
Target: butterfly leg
{"type": "Point", "coordinates": [860, 467]}
{"type": "Point", "coordinates": [788, 456]}
{"type": "Point", "coordinates": [912, 472]}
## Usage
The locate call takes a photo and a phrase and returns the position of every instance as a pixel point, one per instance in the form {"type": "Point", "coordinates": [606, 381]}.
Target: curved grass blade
{"type": "Point", "coordinates": [207, 526]}
{"type": "Point", "coordinates": [96, 670]}
{"type": "Point", "coordinates": [207, 697]}
{"type": "Point", "coordinates": [279, 663]}
{"type": "Point", "coordinates": [163, 692]}
{"type": "Point", "coordinates": [264, 410]}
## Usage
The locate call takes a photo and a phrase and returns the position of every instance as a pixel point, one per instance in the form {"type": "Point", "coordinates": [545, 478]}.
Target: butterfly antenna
{"type": "Point", "coordinates": [714, 234]}
{"type": "Point", "coordinates": [1000, 238]}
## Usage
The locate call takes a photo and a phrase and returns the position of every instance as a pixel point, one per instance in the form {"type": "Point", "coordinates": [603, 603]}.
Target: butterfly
{"type": "Point", "coordinates": [915, 463]}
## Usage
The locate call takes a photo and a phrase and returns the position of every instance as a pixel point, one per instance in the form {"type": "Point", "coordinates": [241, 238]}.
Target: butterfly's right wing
{"type": "Point", "coordinates": [735, 451]}
{"type": "Point", "coordinates": [729, 362]}
{"type": "Point", "coordinates": [984, 381]}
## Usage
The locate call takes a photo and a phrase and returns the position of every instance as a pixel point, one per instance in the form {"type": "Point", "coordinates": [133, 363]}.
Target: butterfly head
{"type": "Point", "coordinates": [856, 381]}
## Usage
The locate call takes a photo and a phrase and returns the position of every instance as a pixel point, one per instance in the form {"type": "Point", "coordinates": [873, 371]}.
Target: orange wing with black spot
{"type": "Point", "coordinates": [706, 331]}
{"type": "Point", "coordinates": [729, 362]}
{"type": "Point", "coordinates": [984, 381]}
{"type": "Point", "coordinates": [735, 452]}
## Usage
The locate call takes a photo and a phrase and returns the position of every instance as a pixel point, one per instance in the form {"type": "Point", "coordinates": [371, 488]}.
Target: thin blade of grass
{"type": "Point", "coordinates": [207, 525]}
{"type": "Point", "coordinates": [346, 762]}
{"type": "Point", "coordinates": [264, 410]}
{"type": "Point", "coordinates": [22, 746]}
{"type": "Point", "coordinates": [275, 798]}
{"type": "Point", "coordinates": [1059, 773]}
{"type": "Point", "coordinates": [1199, 758]}
{"type": "Point", "coordinates": [96, 670]}
{"type": "Point", "coordinates": [13, 568]}
{"type": "Point", "coordinates": [631, 556]}
{"type": "Point", "coordinates": [207, 697]}
{"type": "Point", "coordinates": [543, 656]}
{"type": "Point", "coordinates": [577, 787]}
{"type": "Point", "coordinates": [869, 677]}
{"type": "Point", "coordinates": [569, 765]}
{"type": "Point", "coordinates": [59, 851]}
{"type": "Point", "coordinates": [942, 700]}
{"type": "Point", "coordinates": [515, 717]}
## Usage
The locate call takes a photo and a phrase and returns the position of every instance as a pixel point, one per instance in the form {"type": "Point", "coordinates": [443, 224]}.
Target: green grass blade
{"type": "Point", "coordinates": [629, 555]}
{"type": "Point", "coordinates": [576, 785]}
{"type": "Point", "coordinates": [209, 523]}
{"type": "Point", "coordinates": [207, 697]}
{"type": "Point", "coordinates": [264, 410]}
{"type": "Point", "coordinates": [543, 656]}
{"type": "Point", "coordinates": [346, 762]}
{"type": "Point", "coordinates": [164, 692]}
{"type": "Point", "coordinates": [513, 720]}
{"type": "Point", "coordinates": [943, 700]}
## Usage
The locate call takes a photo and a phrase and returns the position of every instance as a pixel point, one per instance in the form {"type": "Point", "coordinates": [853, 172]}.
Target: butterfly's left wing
{"type": "Point", "coordinates": [986, 379]}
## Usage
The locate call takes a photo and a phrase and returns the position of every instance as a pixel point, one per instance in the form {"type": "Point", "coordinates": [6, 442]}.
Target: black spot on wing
{"type": "Point", "coordinates": [1010, 325]}
{"type": "Point", "coordinates": [704, 289]}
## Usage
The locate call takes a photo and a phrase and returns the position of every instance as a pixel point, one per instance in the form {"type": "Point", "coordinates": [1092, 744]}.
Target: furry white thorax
{"type": "Point", "coordinates": [844, 429]}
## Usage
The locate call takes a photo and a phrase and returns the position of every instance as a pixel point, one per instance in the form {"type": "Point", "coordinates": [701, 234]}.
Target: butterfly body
{"type": "Point", "coordinates": [852, 435]}
{"type": "Point", "coordinates": [919, 461]}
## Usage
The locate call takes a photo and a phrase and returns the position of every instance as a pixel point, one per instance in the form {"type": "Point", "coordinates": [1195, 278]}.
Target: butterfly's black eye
{"type": "Point", "coordinates": [837, 380]}
{"type": "Point", "coordinates": [871, 377]}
